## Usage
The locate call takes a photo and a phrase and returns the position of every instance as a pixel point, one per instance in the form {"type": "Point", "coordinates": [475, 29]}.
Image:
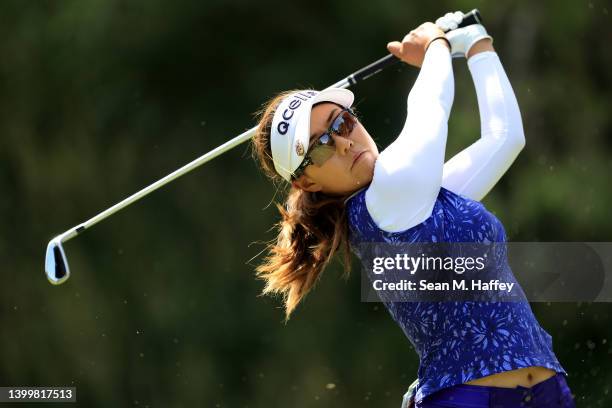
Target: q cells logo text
{"type": "Point", "coordinates": [295, 103]}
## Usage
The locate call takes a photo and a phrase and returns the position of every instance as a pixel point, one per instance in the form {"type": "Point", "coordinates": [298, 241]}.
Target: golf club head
{"type": "Point", "coordinates": [56, 264]}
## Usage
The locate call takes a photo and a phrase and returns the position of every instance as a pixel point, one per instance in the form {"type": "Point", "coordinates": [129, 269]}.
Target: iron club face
{"type": "Point", "coordinates": [56, 264]}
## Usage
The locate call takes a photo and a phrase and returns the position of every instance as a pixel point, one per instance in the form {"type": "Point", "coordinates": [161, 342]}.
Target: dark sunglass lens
{"type": "Point", "coordinates": [350, 120]}
{"type": "Point", "coordinates": [345, 124]}
{"type": "Point", "coordinates": [326, 140]}
{"type": "Point", "coordinates": [321, 153]}
{"type": "Point", "coordinates": [338, 125]}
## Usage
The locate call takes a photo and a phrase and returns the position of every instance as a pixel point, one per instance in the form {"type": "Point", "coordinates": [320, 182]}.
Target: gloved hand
{"type": "Point", "coordinates": [461, 39]}
{"type": "Point", "coordinates": [450, 21]}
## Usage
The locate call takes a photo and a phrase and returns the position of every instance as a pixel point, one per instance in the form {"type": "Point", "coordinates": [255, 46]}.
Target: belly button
{"type": "Point", "coordinates": [529, 377]}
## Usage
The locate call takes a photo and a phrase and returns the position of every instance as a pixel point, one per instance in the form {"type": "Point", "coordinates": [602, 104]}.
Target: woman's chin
{"type": "Point", "coordinates": [364, 170]}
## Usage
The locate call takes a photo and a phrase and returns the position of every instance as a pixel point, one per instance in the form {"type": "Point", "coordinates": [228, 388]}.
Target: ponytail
{"type": "Point", "coordinates": [313, 227]}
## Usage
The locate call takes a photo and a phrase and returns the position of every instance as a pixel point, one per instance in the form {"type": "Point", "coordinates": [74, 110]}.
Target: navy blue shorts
{"type": "Point", "coordinates": [552, 392]}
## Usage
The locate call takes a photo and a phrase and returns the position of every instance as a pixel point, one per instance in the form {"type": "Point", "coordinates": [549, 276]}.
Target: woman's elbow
{"type": "Point", "coordinates": [514, 142]}
{"type": "Point", "coordinates": [510, 138]}
{"type": "Point", "coordinates": [518, 140]}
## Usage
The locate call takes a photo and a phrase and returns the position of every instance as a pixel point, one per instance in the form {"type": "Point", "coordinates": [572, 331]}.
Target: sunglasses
{"type": "Point", "coordinates": [324, 146]}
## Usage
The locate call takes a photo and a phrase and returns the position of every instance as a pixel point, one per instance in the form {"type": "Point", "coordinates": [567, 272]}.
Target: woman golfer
{"type": "Point", "coordinates": [343, 192]}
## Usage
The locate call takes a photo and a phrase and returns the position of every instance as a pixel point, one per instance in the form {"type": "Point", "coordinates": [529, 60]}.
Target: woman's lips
{"type": "Point", "coordinates": [357, 158]}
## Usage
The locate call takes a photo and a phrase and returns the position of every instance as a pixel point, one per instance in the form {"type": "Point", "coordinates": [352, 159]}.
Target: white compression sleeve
{"type": "Point", "coordinates": [475, 170]}
{"type": "Point", "coordinates": [408, 173]}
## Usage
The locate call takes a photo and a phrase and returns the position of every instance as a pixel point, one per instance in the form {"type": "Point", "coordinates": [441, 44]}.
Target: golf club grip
{"type": "Point", "coordinates": [473, 17]}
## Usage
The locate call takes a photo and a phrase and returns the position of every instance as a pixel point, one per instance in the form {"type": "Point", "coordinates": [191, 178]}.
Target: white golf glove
{"type": "Point", "coordinates": [461, 39]}
{"type": "Point", "coordinates": [450, 21]}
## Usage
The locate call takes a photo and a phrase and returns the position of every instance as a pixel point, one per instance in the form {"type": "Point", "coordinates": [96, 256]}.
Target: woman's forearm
{"type": "Point", "coordinates": [408, 173]}
{"type": "Point", "coordinates": [434, 86]}
{"type": "Point", "coordinates": [475, 170]}
{"type": "Point", "coordinates": [486, 44]}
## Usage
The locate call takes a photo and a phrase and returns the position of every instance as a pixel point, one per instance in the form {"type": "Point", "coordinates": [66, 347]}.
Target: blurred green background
{"type": "Point", "coordinates": [99, 98]}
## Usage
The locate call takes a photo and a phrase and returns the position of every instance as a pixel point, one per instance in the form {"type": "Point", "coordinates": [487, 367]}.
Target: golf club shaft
{"type": "Point", "coordinates": [472, 17]}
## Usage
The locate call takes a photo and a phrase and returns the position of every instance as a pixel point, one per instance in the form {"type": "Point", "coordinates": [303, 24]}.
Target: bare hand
{"type": "Point", "coordinates": [412, 48]}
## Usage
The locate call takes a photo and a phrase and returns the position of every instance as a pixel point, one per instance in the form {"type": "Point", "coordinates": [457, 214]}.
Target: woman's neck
{"type": "Point", "coordinates": [353, 194]}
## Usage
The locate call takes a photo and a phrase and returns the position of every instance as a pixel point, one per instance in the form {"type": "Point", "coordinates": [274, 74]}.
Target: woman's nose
{"type": "Point", "coordinates": [343, 144]}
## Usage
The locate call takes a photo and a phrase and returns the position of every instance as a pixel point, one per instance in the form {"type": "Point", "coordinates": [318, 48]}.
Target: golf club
{"type": "Point", "coordinates": [56, 263]}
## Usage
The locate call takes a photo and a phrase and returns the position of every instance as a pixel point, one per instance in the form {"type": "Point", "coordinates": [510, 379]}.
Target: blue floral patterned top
{"type": "Point", "coordinates": [462, 340]}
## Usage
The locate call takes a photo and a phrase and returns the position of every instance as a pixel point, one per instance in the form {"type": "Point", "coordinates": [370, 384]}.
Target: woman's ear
{"type": "Point", "coordinates": [306, 184]}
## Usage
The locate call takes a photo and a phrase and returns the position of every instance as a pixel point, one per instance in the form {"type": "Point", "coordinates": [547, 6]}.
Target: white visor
{"type": "Point", "coordinates": [290, 131]}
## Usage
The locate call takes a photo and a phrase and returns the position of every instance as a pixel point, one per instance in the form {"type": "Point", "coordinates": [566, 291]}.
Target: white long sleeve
{"type": "Point", "coordinates": [476, 169]}
{"type": "Point", "coordinates": [408, 173]}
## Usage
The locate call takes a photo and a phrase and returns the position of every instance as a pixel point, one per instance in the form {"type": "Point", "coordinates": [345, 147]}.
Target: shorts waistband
{"type": "Point", "coordinates": [552, 380]}
{"type": "Point", "coordinates": [478, 395]}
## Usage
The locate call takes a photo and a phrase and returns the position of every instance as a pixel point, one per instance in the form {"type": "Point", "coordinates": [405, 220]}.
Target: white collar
{"type": "Point", "coordinates": [353, 195]}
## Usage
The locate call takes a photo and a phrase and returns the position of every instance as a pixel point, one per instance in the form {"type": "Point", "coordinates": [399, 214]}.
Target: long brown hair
{"type": "Point", "coordinates": [313, 227]}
